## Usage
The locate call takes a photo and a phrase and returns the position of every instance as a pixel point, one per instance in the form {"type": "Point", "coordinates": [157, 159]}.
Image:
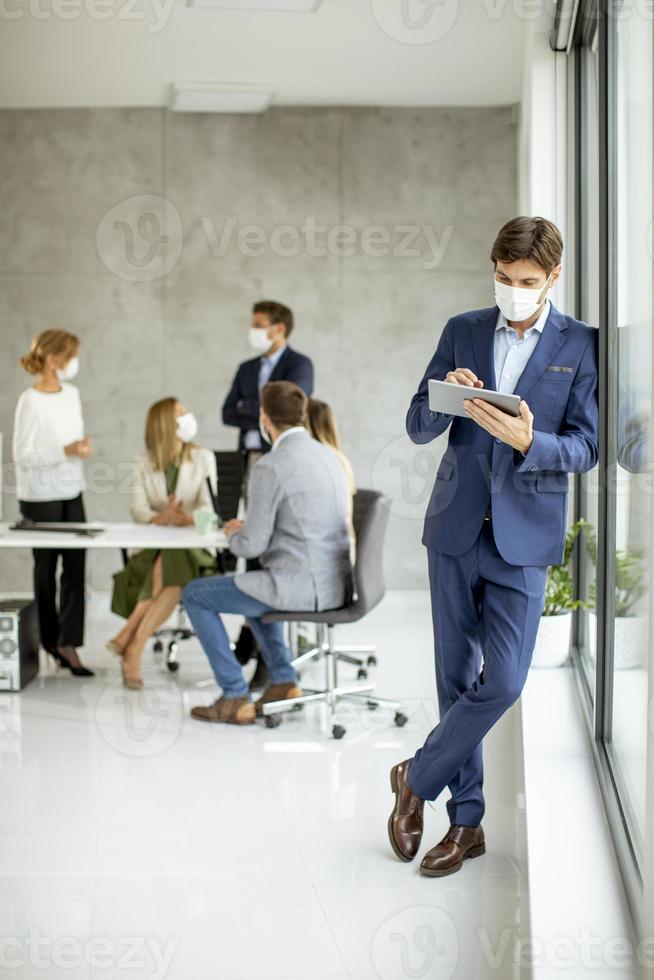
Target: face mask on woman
{"type": "Point", "coordinates": [187, 426]}
{"type": "Point", "coordinates": [69, 370]}
{"type": "Point", "coordinates": [519, 304]}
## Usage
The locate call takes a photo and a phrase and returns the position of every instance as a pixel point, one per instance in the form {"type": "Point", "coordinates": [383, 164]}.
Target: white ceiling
{"type": "Point", "coordinates": [349, 52]}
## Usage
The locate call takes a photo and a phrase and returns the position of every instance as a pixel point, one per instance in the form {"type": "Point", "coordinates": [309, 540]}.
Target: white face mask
{"type": "Point", "coordinates": [187, 427]}
{"type": "Point", "coordinates": [69, 370]}
{"type": "Point", "coordinates": [519, 304]}
{"type": "Point", "coordinates": [259, 340]}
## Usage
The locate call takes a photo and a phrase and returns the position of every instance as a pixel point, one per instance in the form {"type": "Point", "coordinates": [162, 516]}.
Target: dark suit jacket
{"type": "Point", "coordinates": [241, 407]}
{"type": "Point", "coordinates": [528, 494]}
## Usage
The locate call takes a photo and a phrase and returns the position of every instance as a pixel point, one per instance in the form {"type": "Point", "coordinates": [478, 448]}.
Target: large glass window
{"type": "Point", "coordinates": [613, 77]}
{"type": "Point", "coordinates": [630, 108]}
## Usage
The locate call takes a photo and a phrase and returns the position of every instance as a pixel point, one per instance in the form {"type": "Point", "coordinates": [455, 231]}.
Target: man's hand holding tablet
{"type": "Point", "coordinates": [515, 431]}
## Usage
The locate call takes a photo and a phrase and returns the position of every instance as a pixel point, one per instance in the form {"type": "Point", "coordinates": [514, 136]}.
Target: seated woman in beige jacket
{"type": "Point", "coordinates": [170, 482]}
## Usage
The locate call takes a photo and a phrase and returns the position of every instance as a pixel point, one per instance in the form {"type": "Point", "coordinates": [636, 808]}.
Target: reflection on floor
{"type": "Point", "coordinates": [136, 842]}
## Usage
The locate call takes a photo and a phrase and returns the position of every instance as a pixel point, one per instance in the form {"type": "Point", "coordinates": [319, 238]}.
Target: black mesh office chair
{"type": "Point", "coordinates": [370, 519]}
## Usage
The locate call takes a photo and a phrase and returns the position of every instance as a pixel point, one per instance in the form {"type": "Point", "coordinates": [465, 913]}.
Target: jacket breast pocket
{"type": "Point", "coordinates": [555, 391]}
{"type": "Point", "coordinates": [551, 482]}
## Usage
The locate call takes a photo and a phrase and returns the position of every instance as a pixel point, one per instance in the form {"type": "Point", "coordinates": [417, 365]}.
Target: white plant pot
{"type": "Point", "coordinates": [630, 642]}
{"type": "Point", "coordinates": [553, 641]}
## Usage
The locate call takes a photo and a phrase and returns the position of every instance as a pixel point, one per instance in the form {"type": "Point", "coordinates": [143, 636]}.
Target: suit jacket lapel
{"type": "Point", "coordinates": [253, 376]}
{"type": "Point", "coordinates": [279, 365]}
{"type": "Point", "coordinates": [550, 341]}
{"type": "Point", "coordinates": [483, 346]}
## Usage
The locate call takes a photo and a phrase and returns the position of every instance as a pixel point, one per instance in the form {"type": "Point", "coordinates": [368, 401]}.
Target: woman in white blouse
{"type": "Point", "coordinates": [171, 480]}
{"type": "Point", "coordinates": [48, 449]}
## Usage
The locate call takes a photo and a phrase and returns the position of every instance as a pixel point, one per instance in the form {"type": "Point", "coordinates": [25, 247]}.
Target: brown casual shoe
{"type": "Point", "coordinates": [277, 692]}
{"type": "Point", "coordinates": [230, 711]}
{"type": "Point", "coordinates": [405, 821]}
{"type": "Point", "coordinates": [449, 854]}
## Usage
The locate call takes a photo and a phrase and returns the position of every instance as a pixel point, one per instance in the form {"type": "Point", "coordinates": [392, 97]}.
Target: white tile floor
{"type": "Point", "coordinates": [136, 842]}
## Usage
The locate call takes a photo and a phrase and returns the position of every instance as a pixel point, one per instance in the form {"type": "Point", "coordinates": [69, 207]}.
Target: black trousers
{"type": "Point", "coordinates": [62, 626]}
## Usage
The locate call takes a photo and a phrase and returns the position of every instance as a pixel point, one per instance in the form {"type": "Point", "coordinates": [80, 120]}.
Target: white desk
{"type": "Point", "coordinates": [115, 536]}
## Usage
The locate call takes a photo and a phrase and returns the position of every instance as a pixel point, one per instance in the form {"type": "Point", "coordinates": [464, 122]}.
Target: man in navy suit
{"type": "Point", "coordinates": [270, 329]}
{"type": "Point", "coordinates": [495, 521]}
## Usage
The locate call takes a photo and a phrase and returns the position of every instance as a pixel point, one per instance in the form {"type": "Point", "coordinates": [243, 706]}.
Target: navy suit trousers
{"type": "Point", "coordinates": [485, 615]}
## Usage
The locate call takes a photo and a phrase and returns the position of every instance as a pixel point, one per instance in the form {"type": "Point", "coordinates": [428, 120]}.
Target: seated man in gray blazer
{"type": "Point", "coordinates": [297, 527]}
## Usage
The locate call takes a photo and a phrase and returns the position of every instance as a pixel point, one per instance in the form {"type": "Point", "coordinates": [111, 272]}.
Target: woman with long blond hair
{"type": "Point", "coordinates": [170, 482]}
{"type": "Point", "coordinates": [48, 449]}
{"type": "Point", "coordinates": [322, 426]}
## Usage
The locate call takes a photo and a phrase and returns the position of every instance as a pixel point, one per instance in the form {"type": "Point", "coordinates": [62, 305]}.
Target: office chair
{"type": "Point", "coordinates": [370, 520]}
{"type": "Point", "coordinates": [229, 470]}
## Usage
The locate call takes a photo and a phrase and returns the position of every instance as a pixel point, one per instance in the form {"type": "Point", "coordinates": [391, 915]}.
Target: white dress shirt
{"type": "Point", "coordinates": [512, 352]}
{"type": "Point", "coordinates": [287, 432]}
{"type": "Point", "coordinates": [266, 367]}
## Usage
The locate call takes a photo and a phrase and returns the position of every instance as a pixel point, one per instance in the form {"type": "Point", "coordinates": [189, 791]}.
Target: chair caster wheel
{"type": "Point", "coordinates": [372, 705]}
{"type": "Point", "coordinates": [400, 719]}
{"type": "Point", "coordinates": [362, 673]}
{"type": "Point", "coordinates": [272, 721]}
{"type": "Point", "coordinates": [157, 646]}
{"type": "Point", "coordinates": [372, 661]}
{"type": "Point", "coordinates": [338, 731]}
{"type": "Point", "coordinates": [172, 663]}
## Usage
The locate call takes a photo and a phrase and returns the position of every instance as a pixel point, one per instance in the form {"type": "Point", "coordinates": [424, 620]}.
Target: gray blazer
{"type": "Point", "coordinates": [297, 527]}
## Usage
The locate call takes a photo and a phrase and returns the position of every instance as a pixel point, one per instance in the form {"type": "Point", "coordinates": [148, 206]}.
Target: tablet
{"type": "Point", "coordinates": [449, 398]}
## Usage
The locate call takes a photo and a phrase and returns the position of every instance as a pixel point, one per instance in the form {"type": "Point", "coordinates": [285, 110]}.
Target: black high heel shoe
{"type": "Point", "coordinates": [62, 661]}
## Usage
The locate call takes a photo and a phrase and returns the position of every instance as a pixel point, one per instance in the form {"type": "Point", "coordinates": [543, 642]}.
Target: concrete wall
{"type": "Point", "coordinates": [150, 235]}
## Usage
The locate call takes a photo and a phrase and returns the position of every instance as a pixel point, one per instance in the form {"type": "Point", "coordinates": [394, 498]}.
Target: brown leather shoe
{"type": "Point", "coordinates": [405, 821]}
{"type": "Point", "coordinates": [230, 711]}
{"type": "Point", "coordinates": [277, 692]}
{"type": "Point", "coordinates": [448, 855]}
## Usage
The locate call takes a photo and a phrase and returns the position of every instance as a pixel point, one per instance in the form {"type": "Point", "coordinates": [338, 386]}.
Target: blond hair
{"type": "Point", "coordinates": [161, 433]}
{"type": "Point", "coordinates": [321, 423]}
{"type": "Point", "coordinates": [59, 343]}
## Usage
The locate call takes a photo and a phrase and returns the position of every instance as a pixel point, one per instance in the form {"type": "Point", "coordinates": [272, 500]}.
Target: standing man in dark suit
{"type": "Point", "coordinates": [270, 328]}
{"type": "Point", "coordinates": [495, 521]}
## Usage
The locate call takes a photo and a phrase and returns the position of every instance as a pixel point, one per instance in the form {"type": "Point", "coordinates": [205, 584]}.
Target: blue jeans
{"type": "Point", "coordinates": [204, 599]}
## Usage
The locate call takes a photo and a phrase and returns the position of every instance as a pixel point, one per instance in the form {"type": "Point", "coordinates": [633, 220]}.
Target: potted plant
{"type": "Point", "coordinates": [553, 639]}
{"type": "Point", "coordinates": [630, 629]}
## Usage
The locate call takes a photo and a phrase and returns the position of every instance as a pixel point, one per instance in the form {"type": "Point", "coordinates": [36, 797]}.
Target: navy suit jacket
{"type": "Point", "coordinates": [241, 407]}
{"type": "Point", "coordinates": [528, 494]}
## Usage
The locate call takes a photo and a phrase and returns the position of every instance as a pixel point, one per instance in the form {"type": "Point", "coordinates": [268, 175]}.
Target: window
{"type": "Point", "coordinates": [613, 120]}
{"type": "Point", "coordinates": [630, 122]}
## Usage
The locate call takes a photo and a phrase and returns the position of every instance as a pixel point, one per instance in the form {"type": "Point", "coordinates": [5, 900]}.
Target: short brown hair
{"type": "Point", "coordinates": [284, 403]}
{"type": "Point", "coordinates": [59, 343]}
{"type": "Point", "coordinates": [528, 238]}
{"type": "Point", "coordinates": [276, 312]}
